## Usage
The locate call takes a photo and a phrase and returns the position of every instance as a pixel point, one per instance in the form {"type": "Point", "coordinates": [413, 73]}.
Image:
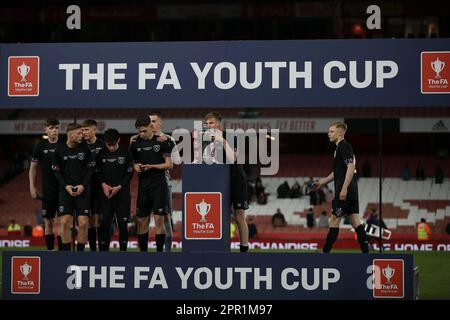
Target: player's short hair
{"type": "Point", "coordinates": [142, 121]}
{"type": "Point", "coordinates": [73, 126]}
{"type": "Point", "coordinates": [156, 113]}
{"type": "Point", "coordinates": [213, 115]}
{"type": "Point", "coordinates": [89, 123]}
{"type": "Point", "coordinates": [339, 125]}
{"type": "Point", "coordinates": [111, 136]}
{"type": "Point", "coordinates": [51, 122]}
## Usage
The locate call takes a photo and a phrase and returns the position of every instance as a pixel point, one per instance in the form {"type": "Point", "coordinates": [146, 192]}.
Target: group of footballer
{"type": "Point", "coordinates": [86, 182]}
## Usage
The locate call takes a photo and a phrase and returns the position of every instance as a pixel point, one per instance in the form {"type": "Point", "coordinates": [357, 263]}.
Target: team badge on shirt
{"type": "Point", "coordinates": [156, 147]}
{"type": "Point", "coordinates": [81, 156]}
{"type": "Point", "coordinates": [121, 160]}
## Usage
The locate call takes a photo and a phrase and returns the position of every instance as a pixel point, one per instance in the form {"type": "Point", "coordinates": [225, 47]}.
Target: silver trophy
{"type": "Point", "coordinates": [203, 209]}
{"type": "Point", "coordinates": [388, 272]}
{"type": "Point", "coordinates": [25, 269]}
{"type": "Point", "coordinates": [209, 146]}
{"type": "Point", "coordinates": [23, 70]}
{"type": "Point", "coordinates": [437, 66]}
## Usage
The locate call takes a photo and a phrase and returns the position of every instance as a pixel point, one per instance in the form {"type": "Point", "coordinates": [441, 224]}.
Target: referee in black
{"type": "Point", "coordinates": [151, 159]}
{"type": "Point", "coordinates": [114, 171]}
{"type": "Point", "coordinates": [73, 168]}
{"type": "Point", "coordinates": [43, 156]}
{"type": "Point", "coordinates": [346, 188]}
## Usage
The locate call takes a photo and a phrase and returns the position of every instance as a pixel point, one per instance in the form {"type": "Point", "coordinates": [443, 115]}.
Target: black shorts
{"type": "Point", "coordinates": [96, 203]}
{"type": "Point", "coordinates": [169, 199]}
{"type": "Point", "coordinates": [50, 203]}
{"type": "Point", "coordinates": [238, 192]}
{"type": "Point", "coordinates": [69, 204]}
{"type": "Point", "coordinates": [152, 200]}
{"type": "Point", "coordinates": [115, 206]}
{"type": "Point", "coordinates": [345, 208]}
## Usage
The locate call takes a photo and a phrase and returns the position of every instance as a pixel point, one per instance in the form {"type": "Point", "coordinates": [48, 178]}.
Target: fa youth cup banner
{"type": "Point", "coordinates": [303, 73]}
{"type": "Point", "coordinates": [211, 276]}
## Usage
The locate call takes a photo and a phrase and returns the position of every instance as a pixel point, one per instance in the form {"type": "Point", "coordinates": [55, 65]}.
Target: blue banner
{"type": "Point", "coordinates": [303, 73]}
{"type": "Point", "coordinates": [211, 276]}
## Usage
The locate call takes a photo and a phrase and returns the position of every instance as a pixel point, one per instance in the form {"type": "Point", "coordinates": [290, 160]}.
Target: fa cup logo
{"type": "Point", "coordinates": [437, 66]}
{"type": "Point", "coordinates": [25, 269]}
{"type": "Point", "coordinates": [388, 272]}
{"type": "Point", "coordinates": [23, 70]}
{"type": "Point", "coordinates": [203, 209]}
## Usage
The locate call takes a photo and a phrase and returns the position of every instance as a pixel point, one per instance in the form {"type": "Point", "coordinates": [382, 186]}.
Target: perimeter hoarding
{"type": "Point", "coordinates": [211, 276]}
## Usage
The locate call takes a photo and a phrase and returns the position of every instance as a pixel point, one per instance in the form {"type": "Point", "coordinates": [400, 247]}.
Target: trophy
{"type": "Point", "coordinates": [209, 145]}
{"type": "Point", "coordinates": [437, 66]}
{"type": "Point", "coordinates": [25, 269]}
{"type": "Point", "coordinates": [388, 272]}
{"type": "Point", "coordinates": [203, 209]}
{"type": "Point", "coordinates": [23, 70]}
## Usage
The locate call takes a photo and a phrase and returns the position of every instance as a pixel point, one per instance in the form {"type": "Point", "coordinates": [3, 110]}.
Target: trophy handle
{"type": "Point", "coordinates": [209, 208]}
{"type": "Point", "coordinates": [197, 207]}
